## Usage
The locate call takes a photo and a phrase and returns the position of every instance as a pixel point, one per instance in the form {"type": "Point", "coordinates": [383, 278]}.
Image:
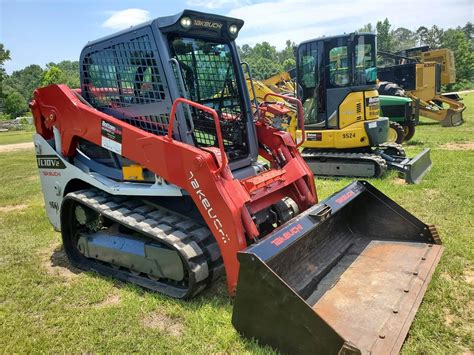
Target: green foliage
{"type": "Point", "coordinates": [461, 45]}
{"type": "Point", "coordinates": [25, 81]}
{"type": "Point", "coordinates": [366, 28]}
{"type": "Point", "coordinates": [403, 38]}
{"type": "Point", "coordinates": [265, 60]}
{"type": "Point", "coordinates": [4, 116]}
{"type": "Point", "coordinates": [4, 56]}
{"type": "Point", "coordinates": [15, 104]}
{"type": "Point", "coordinates": [53, 75]}
{"type": "Point", "coordinates": [70, 70]}
{"type": "Point", "coordinates": [385, 41]}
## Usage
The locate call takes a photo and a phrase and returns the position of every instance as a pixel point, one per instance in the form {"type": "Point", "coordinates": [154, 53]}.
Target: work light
{"type": "Point", "coordinates": [185, 22]}
{"type": "Point", "coordinates": [233, 29]}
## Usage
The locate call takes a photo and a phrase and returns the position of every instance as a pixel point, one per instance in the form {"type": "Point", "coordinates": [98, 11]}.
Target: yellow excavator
{"type": "Point", "coordinates": [419, 73]}
{"type": "Point", "coordinates": [336, 80]}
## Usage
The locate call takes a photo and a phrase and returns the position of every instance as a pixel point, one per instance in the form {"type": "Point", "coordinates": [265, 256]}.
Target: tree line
{"type": "Point", "coordinates": [16, 90]}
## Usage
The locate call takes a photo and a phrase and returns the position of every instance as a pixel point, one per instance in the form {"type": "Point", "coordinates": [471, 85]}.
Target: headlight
{"type": "Point", "coordinates": [233, 29]}
{"type": "Point", "coordinates": [185, 22]}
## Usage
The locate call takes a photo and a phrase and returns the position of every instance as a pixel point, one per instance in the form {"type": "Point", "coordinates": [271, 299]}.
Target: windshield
{"type": "Point", "coordinates": [352, 63]}
{"type": "Point", "coordinates": [365, 64]}
{"type": "Point", "coordinates": [208, 72]}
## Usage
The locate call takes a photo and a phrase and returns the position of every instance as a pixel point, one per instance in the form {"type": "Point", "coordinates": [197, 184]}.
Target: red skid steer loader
{"type": "Point", "coordinates": [150, 172]}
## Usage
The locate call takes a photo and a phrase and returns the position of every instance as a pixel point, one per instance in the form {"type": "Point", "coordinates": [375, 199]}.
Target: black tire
{"type": "Point", "coordinates": [396, 133]}
{"type": "Point", "coordinates": [390, 89]}
{"type": "Point", "coordinates": [409, 130]}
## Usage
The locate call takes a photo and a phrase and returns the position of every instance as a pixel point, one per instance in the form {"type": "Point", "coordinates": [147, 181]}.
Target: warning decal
{"type": "Point", "coordinates": [111, 137]}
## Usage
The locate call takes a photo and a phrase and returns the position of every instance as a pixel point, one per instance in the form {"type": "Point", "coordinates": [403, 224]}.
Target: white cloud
{"type": "Point", "coordinates": [216, 4]}
{"type": "Point", "coordinates": [278, 20]}
{"type": "Point", "coordinates": [125, 18]}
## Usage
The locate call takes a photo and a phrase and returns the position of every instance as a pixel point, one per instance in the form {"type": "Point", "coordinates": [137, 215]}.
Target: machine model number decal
{"type": "Point", "coordinates": [311, 136]}
{"type": "Point", "coordinates": [111, 137]}
{"type": "Point", "coordinates": [49, 162]}
{"type": "Point", "coordinates": [372, 101]}
{"type": "Point", "coordinates": [287, 235]}
{"type": "Point", "coordinates": [348, 135]}
{"type": "Point", "coordinates": [208, 207]}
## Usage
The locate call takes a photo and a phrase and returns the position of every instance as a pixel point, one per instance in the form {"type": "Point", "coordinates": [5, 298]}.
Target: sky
{"type": "Point", "coordinates": [44, 31]}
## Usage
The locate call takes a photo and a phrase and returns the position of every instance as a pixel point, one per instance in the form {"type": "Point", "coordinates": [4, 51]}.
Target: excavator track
{"type": "Point", "coordinates": [393, 149]}
{"type": "Point", "coordinates": [325, 163]}
{"type": "Point", "coordinates": [193, 241]}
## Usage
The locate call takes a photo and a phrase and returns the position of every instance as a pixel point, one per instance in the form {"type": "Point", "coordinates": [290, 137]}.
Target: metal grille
{"type": "Point", "coordinates": [209, 77]}
{"type": "Point", "coordinates": [124, 80]}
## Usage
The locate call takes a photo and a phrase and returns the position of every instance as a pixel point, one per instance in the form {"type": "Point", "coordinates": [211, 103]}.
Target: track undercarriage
{"type": "Point", "coordinates": [138, 242]}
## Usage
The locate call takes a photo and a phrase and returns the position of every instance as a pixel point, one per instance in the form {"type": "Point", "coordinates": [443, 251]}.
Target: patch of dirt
{"type": "Point", "coordinates": [11, 208]}
{"type": "Point", "coordinates": [164, 323]}
{"type": "Point", "coordinates": [431, 194]}
{"type": "Point", "coordinates": [56, 263]}
{"type": "Point", "coordinates": [399, 181]}
{"type": "Point", "coordinates": [458, 146]}
{"type": "Point", "coordinates": [32, 178]}
{"type": "Point", "coordinates": [110, 301]}
{"type": "Point", "coordinates": [469, 276]}
{"type": "Point", "coordinates": [7, 148]}
{"type": "Point", "coordinates": [449, 319]}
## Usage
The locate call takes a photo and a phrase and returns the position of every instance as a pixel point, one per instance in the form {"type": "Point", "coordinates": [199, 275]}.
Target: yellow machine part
{"type": "Point", "coordinates": [133, 173]}
{"type": "Point", "coordinates": [448, 117]}
{"type": "Point", "coordinates": [357, 108]}
{"type": "Point", "coordinates": [445, 57]}
{"type": "Point", "coordinates": [425, 81]}
{"type": "Point", "coordinates": [280, 83]}
{"type": "Point", "coordinates": [261, 90]}
{"type": "Point", "coordinates": [450, 113]}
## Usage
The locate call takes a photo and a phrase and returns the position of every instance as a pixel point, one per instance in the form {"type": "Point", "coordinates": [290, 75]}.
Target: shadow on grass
{"type": "Point", "coordinates": [413, 143]}
{"type": "Point", "coordinates": [434, 123]}
{"type": "Point", "coordinates": [218, 289]}
{"type": "Point", "coordinates": [215, 295]}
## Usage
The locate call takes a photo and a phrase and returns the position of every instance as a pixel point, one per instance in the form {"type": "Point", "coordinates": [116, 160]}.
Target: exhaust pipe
{"type": "Point", "coordinates": [344, 277]}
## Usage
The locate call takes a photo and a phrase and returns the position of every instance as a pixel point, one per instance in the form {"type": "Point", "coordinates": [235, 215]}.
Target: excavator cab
{"type": "Point", "coordinates": [344, 133]}
{"type": "Point", "coordinates": [336, 79]}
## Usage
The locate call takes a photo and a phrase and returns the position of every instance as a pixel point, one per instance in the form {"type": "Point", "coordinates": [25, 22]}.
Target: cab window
{"type": "Point", "coordinates": [339, 75]}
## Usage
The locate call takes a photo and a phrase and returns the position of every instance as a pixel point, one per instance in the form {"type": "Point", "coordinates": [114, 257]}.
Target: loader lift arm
{"type": "Point", "coordinates": [204, 170]}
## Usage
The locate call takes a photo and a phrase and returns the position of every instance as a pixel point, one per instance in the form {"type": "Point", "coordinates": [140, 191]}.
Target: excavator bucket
{"type": "Point", "coordinates": [345, 277]}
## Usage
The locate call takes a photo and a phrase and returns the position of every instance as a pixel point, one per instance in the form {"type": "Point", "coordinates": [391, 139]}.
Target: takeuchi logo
{"type": "Point", "coordinates": [208, 207]}
{"type": "Point", "coordinates": [208, 24]}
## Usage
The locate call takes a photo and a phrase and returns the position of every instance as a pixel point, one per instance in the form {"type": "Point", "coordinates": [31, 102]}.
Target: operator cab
{"type": "Point", "coordinates": [135, 75]}
{"type": "Point", "coordinates": [328, 69]}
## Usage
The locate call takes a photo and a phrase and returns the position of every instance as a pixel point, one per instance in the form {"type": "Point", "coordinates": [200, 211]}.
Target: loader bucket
{"type": "Point", "coordinates": [345, 277]}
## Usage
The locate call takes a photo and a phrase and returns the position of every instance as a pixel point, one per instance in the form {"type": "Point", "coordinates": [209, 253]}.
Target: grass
{"type": "Point", "coordinates": [12, 137]}
{"type": "Point", "coordinates": [47, 307]}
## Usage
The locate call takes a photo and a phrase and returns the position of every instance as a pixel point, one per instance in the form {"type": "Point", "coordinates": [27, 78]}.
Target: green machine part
{"type": "Point", "coordinates": [402, 112]}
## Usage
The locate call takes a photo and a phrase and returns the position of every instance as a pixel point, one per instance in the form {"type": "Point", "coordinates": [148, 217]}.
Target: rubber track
{"type": "Point", "coordinates": [393, 147]}
{"type": "Point", "coordinates": [378, 161]}
{"type": "Point", "coordinates": [192, 240]}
